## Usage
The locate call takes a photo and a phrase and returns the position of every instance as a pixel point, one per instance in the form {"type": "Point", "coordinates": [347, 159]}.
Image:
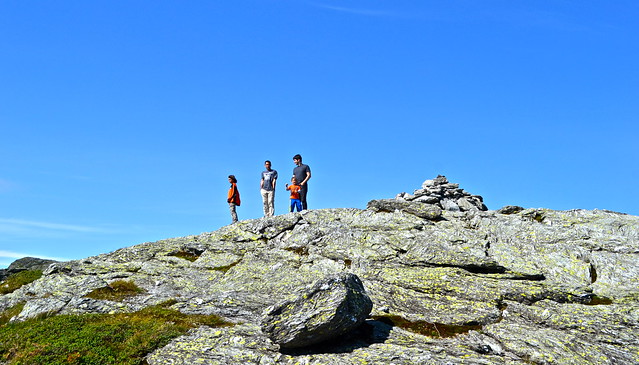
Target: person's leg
{"type": "Point", "coordinates": [298, 204]}
{"type": "Point", "coordinates": [292, 205]}
{"type": "Point", "coordinates": [271, 203]}
{"type": "Point", "coordinates": [233, 212]}
{"type": "Point", "coordinates": [303, 192]}
{"type": "Point", "coordinates": [265, 201]}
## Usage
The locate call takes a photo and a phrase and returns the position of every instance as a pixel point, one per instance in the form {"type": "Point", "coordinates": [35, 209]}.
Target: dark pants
{"type": "Point", "coordinates": [303, 192]}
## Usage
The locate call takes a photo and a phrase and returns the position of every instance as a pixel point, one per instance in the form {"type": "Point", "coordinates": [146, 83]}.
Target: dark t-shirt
{"type": "Point", "coordinates": [300, 173]}
{"type": "Point", "coordinates": [268, 177]}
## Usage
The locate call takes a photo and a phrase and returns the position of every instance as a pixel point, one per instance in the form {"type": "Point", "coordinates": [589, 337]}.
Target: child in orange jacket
{"type": "Point", "coordinates": [295, 195]}
{"type": "Point", "coordinates": [233, 197]}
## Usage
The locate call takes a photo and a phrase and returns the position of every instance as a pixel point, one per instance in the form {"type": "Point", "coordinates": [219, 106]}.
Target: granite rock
{"type": "Point", "coordinates": [467, 287]}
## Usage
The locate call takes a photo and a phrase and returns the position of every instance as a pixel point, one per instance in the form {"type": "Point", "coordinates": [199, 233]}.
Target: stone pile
{"type": "Point", "coordinates": [445, 195]}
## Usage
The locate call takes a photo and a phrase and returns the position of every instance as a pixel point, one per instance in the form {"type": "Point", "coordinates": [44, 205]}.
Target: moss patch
{"type": "Point", "coordinates": [116, 291]}
{"type": "Point", "coordinates": [96, 338]}
{"type": "Point", "coordinates": [438, 330]}
{"type": "Point", "coordinates": [186, 255]}
{"type": "Point", "coordinates": [228, 267]}
{"type": "Point", "coordinates": [597, 300]}
{"type": "Point", "coordinates": [15, 281]}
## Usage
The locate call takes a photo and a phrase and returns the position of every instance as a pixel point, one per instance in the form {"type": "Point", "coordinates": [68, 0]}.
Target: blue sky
{"type": "Point", "coordinates": [120, 120]}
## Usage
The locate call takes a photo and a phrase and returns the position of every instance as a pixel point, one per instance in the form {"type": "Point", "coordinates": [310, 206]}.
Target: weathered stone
{"type": "Point", "coordinates": [426, 211]}
{"type": "Point", "coordinates": [440, 180]}
{"type": "Point", "coordinates": [333, 307]}
{"type": "Point", "coordinates": [510, 209]}
{"type": "Point", "coordinates": [427, 199]}
{"type": "Point", "coordinates": [449, 204]}
{"type": "Point", "coordinates": [474, 287]}
{"type": "Point", "coordinates": [466, 204]}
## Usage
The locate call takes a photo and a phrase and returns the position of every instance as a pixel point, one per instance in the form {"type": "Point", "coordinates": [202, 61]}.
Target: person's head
{"type": "Point", "coordinates": [267, 164]}
{"type": "Point", "coordinates": [232, 179]}
{"type": "Point", "coordinates": [294, 180]}
{"type": "Point", "coordinates": [297, 159]}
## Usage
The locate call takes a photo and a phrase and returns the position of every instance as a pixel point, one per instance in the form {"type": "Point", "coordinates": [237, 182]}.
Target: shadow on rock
{"type": "Point", "coordinates": [370, 332]}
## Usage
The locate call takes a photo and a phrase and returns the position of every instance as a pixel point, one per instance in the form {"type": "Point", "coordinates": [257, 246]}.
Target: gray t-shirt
{"type": "Point", "coordinates": [300, 172]}
{"type": "Point", "coordinates": [268, 177]}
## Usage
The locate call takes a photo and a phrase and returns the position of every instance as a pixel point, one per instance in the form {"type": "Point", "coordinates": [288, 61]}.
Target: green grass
{"type": "Point", "coordinates": [116, 291]}
{"type": "Point", "coordinates": [15, 281]}
{"type": "Point", "coordinates": [123, 339]}
{"type": "Point", "coordinates": [9, 313]}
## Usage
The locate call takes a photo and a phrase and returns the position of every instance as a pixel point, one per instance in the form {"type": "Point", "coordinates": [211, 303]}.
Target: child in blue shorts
{"type": "Point", "coordinates": [295, 195]}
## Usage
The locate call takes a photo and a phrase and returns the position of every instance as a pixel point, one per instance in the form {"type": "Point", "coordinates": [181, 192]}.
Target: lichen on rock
{"type": "Point", "coordinates": [524, 285]}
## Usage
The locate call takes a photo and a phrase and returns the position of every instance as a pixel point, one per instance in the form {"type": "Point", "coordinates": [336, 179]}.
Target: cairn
{"type": "Point", "coordinates": [445, 195]}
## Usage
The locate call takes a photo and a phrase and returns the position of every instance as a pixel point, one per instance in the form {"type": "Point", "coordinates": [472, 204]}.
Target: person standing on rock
{"type": "Point", "coordinates": [267, 188]}
{"type": "Point", "coordinates": [296, 203]}
{"type": "Point", "coordinates": [233, 197]}
{"type": "Point", "coordinates": [302, 173]}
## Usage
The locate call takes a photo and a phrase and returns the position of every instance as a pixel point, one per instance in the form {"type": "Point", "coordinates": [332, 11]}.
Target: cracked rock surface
{"type": "Point", "coordinates": [533, 286]}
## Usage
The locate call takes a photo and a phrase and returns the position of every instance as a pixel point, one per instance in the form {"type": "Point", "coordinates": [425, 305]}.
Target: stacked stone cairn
{"type": "Point", "coordinates": [445, 195]}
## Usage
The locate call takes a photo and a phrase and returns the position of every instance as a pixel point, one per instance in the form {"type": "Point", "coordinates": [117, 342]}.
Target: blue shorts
{"type": "Point", "coordinates": [296, 203]}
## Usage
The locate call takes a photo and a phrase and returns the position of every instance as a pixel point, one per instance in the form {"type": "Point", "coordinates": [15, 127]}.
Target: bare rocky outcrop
{"type": "Point", "coordinates": [531, 286]}
{"type": "Point", "coordinates": [333, 307]}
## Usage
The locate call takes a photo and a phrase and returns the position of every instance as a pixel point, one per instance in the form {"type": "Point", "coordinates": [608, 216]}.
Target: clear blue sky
{"type": "Point", "coordinates": [121, 120]}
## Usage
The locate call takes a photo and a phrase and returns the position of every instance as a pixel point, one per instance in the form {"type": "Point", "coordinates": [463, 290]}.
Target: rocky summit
{"type": "Point", "coordinates": [450, 282]}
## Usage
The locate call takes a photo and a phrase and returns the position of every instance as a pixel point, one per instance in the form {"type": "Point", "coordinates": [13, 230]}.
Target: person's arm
{"type": "Point", "coordinates": [308, 177]}
{"type": "Point", "coordinates": [262, 182]}
{"type": "Point", "coordinates": [231, 194]}
{"type": "Point", "coordinates": [274, 181]}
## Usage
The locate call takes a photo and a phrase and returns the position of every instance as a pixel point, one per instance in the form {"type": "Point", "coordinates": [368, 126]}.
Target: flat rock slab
{"type": "Point", "coordinates": [332, 307]}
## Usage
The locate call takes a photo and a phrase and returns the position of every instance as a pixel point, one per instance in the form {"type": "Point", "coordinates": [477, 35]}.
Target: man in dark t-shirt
{"type": "Point", "coordinates": [302, 173]}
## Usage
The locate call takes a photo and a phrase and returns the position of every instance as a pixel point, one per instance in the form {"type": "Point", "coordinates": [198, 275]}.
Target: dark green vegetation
{"type": "Point", "coordinates": [437, 330]}
{"type": "Point", "coordinates": [121, 339]}
{"type": "Point", "coordinates": [116, 291]}
{"type": "Point", "coordinates": [227, 267]}
{"type": "Point", "coordinates": [19, 279]}
{"type": "Point", "coordinates": [9, 313]}
{"type": "Point", "coordinates": [186, 255]}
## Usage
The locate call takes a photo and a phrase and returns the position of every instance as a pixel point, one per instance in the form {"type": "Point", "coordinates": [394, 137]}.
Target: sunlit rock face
{"type": "Point", "coordinates": [447, 286]}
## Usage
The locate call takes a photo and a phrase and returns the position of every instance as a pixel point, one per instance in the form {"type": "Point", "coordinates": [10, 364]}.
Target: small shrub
{"type": "Point", "coordinates": [116, 291]}
{"type": "Point", "coordinates": [123, 339]}
{"type": "Point", "coordinates": [15, 281]}
{"type": "Point", "coordinates": [7, 314]}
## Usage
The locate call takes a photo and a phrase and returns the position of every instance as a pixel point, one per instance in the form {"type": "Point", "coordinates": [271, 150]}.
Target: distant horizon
{"type": "Point", "coordinates": [17, 255]}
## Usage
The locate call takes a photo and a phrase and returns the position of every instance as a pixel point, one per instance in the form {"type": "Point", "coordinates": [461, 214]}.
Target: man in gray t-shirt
{"type": "Point", "coordinates": [267, 188]}
{"type": "Point", "coordinates": [302, 173]}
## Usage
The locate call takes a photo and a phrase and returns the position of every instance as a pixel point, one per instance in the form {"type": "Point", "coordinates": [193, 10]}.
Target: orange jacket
{"type": "Point", "coordinates": [234, 195]}
{"type": "Point", "coordinates": [295, 191]}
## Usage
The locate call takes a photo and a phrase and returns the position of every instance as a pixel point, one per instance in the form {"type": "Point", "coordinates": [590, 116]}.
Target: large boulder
{"type": "Point", "coordinates": [333, 307]}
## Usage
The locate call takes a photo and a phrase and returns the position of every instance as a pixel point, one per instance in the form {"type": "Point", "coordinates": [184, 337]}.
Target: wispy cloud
{"type": "Point", "coordinates": [359, 11]}
{"type": "Point", "coordinates": [12, 225]}
{"type": "Point", "coordinates": [18, 255]}
{"type": "Point", "coordinates": [512, 14]}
